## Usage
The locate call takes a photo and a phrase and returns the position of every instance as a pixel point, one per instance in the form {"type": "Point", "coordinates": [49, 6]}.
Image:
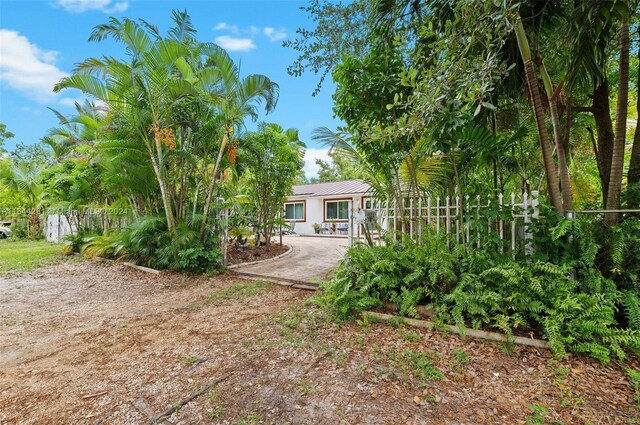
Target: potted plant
{"type": "Point", "coordinates": [316, 228]}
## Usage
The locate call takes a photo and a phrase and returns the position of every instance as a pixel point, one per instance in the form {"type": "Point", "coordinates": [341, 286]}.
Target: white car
{"type": "Point", "coordinates": [5, 232]}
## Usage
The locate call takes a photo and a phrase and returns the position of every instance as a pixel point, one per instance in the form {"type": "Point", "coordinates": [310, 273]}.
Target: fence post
{"type": "Point", "coordinates": [500, 222]}
{"type": "Point", "coordinates": [438, 215]}
{"type": "Point", "coordinates": [448, 214]}
{"type": "Point", "coordinates": [411, 217]}
{"type": "Point", "coordinates": [350, 230]}
{"type": "Point", "coordinates": [527, 222]}
{"type": "Point", "coordinates": [458, 217]}
{"type": "Point", "coordinates": [429, 211]}
{"type": "Point", "coordinates": [478, 220]}
{"type": "Point", "coordinates": [513, 225]}
{"type": "Point", "coordinates": [378, 205]}
{"type": "Point", "coordinates": [395, 218]}
{"type": "Point", "coordinates": [535, 203]}
{"type": "Point", "coordinates": [420, 220]}
{"type": "Point", "coordinates": [388, 217]}
{"type": "Point", "coordinates": [569, 215]}
{"type": "Point", "coordinates": [467, 225]}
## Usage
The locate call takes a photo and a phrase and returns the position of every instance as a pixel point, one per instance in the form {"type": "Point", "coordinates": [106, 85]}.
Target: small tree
{"type": "Point", "coordinates": [273, 159]}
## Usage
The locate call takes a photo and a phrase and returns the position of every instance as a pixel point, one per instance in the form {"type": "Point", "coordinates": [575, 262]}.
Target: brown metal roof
{"type": "Point", "coordinates": [345, 187]}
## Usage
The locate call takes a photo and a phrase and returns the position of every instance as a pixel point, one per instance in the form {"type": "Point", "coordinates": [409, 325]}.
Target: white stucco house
{"type": "Point", "coordinates": [325, 204]}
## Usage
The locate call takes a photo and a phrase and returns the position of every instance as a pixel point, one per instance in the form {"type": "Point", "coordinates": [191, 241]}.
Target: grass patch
{"type": "Point", "coordinates": [417, 364]}
{"type": "Point", "coordinates": [188, 360]}
{"type": "Point", "coordinates": [251, 419]}
{"type": "Point", "coordinates": [459, 358]}
{"type": "Point", "coordinates": [634, 379]}
{"type": "Point", "coordinates": [300, 327]}
{"type": "Point", "coordinates": [26, 256]}
{"type": "Point", "coordinates": [236, 292]}
{"type": "Point", "coordinates": [408, 335]}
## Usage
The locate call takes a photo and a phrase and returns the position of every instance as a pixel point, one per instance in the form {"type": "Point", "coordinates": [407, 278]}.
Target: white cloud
{"type": "Point", "coordinates": [273, 34]}
{"type": "Point", "coordinates": [81, 6]}
{"type": "Point", "coordinates": [71, 101]}
{"type": "Point", "coordinates": [235, 44]}
{"type": "Point", "coordinates": [33, 111]}
{"type": "Point", "coordinates": [254, 29]}
{"type": "Point", "coordinates": [222, 26]}
{"type": "Point", "coordinates": [26, 68]}
{"type": "Point", "coordinates": [310, 156]}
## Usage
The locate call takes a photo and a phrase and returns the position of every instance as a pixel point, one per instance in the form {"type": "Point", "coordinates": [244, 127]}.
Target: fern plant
{"type": "Point", "coordinates": [542, 296]}
{"type": "Point", "coordinates": [401, 272]}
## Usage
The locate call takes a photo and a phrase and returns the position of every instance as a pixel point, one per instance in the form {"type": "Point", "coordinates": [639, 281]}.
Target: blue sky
{"type": "Point", "coordinates": [41, 40]}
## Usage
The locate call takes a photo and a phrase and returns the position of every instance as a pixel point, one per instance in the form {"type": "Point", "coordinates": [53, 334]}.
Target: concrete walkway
{"type": "Point", "coordinates": [310, 261]}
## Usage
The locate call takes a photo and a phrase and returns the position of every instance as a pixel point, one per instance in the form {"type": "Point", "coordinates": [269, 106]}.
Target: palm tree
{"type": "Point", "coordinates": [272, 157]}
{"type": "Point", "coordinates": [143, 91]}
{"type": "Point", "coordinates": [538, 110]}
{"type": "Point", "coordinates": [80, 129]}
{"type": "Point", "coordinates": [416, 171]}
{"type": "Point", "coordinates": [24, 178]}
{"type": "Point", "coordinates": [237, 98]}
{"type": "Point", "coordinates": [617, 158]}
{"type": "Point", "coordinates": [633, 177]}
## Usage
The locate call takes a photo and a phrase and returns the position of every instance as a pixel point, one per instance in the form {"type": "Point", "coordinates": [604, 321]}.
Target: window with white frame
{"type": "Point", "coordinates": [294, 211]}
{"type": "Point", "coordinates": [336, 210]}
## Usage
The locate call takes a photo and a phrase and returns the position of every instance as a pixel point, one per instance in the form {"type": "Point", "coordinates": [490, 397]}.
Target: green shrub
{"type": "Point", "coordinates": [147, 242]}
{"type": "Point", "coordinates": [75, 242]}
{"type": "Point", "coordinates": [199, 259]}
{"type": "Point", "coordinates": [401, 272]}
{"type": "Point", "coordinates": [543, 296]}
{"type": "Point", "coordinates": [560, 293]}
{"type": "Point", "coordinates": [19, 230]}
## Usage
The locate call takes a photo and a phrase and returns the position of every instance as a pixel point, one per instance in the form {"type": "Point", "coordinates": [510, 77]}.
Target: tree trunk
{"type": "Point", "coordinates": [563, 169]}
{"type": "Point", "coordinates": [166, 203]}
{"type": "Point", "coordinates": [633, 178]}
{"type": "Point", "coordinates": [604, 127]}
{"type": "Point", "coordinates": [617, 159]}
{"type": "Point", "coordinates": [212, 183]}
{"type": "Point", "coordinates": [536, 102]}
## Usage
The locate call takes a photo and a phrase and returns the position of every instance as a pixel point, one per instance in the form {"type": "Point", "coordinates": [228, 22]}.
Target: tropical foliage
{"type": "Point", "coordinates": [481, 98]}
{"type": "Point", "coordinates": [562, 298]}
{"type": "Point", "coordinates": [273, 158]}
{"type": "Point", "coordinates": [435, 77]}
{"type": "Point", "coordinates": [158, 140]}
{"type": "Point", "coordinates": [437, 98]}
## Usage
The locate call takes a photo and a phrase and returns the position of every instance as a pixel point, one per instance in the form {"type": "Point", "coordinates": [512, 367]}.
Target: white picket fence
{"type": "Point", "coordinates": [500, 219]}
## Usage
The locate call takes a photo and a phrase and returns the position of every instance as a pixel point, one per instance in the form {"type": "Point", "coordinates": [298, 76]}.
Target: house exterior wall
{"type": "Point", "coordinates": [315, 213]}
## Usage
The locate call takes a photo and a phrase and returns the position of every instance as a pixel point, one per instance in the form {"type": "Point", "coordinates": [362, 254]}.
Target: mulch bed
{"type": "Point", "coordinates": [237, 255]}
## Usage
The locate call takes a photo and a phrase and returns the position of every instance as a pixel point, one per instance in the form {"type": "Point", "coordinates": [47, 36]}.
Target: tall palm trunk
{"type": "Point", "coordinates": [563, 169]}
{"type": "Point", "coordinates": [164, 193]}
{"type": "Point", "coordinates": [604, 126]}
{"type": "Point", "coordinates": [633, 178]}
{"type": "Point", "coordinates": [617, 159]}
{"type": "Point", "coordinates": [536, 102]}
{"type": "Point", "coordinates": [214, 177]}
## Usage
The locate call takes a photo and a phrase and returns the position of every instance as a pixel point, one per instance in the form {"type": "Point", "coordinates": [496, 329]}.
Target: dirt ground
{"type": "Point", "coordinates": [89, 343]}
